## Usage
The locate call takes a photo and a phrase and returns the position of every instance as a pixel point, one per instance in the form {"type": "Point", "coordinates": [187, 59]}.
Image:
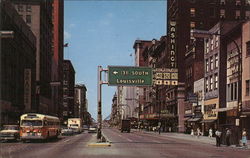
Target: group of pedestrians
{"type": "Point", "coordinates": [218, 135]}
{"type": "Point", "coordinates": [228, 134]}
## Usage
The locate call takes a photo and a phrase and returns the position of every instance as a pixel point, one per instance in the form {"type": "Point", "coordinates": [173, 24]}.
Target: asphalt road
{"type": "Point", "coordinates": [124, 145]}
{"type": "Point", "coordinates": [152, 145]}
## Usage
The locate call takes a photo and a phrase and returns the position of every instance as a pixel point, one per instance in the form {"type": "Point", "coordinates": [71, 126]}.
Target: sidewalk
{"type": "Point", "coordinates": [201, 139]}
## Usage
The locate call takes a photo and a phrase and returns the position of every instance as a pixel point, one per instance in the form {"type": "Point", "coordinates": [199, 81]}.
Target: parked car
{"type": "Point", "coordinates": [10, 132]}
{"type": "Point", "coordinates": [92, 129]}
{"type": "Point", "coordinates": [67, 131]}
{"type": "Point", "coordinates": [85, 127]}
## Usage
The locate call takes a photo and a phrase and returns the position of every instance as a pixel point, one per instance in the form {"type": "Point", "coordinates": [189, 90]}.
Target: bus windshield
{"type": "Point", "coordinates": [31, 123]}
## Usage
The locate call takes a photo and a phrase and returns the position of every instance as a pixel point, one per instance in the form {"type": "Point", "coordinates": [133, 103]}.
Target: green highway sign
{"type": "Point", "coordinates": [129, 76]}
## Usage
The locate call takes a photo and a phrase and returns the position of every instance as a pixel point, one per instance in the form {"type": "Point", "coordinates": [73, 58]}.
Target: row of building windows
{"type": "Point", "coordinates": [211, 83]}
{"type": "Point", "coordinates": [237, 2]}
{"type": "Point", "coordinates": [212, 63]}
{"type": "Point", "coordinates": [20, 8]}
{"type": "Point", "coordinates": [212, 43]}
{"type": "Point", "coordinates": [222, 13]}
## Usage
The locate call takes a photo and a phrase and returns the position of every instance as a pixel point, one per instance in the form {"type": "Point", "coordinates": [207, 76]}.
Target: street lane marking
{"type": "Point", "coordinates": [129, 140]}
{"type": "Point", "coordinates": [66, 141]}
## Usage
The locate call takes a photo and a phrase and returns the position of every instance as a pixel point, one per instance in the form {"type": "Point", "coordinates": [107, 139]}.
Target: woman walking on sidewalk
{"type": "Point", "coordinates": [244, 137]}
{"type": "Point", "coordinates": [210, 135]}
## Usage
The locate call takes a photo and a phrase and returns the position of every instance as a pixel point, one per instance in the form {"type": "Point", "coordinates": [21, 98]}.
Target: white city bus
{"type": "Point", "coordinates": [38, 126]}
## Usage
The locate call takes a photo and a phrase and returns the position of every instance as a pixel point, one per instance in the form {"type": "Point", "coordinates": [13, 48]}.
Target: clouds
{"type": "Point", "coordinates": [67, 35]}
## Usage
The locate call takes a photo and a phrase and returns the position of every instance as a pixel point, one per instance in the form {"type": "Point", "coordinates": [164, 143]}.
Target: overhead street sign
{"type": "Point", "coordinates": [129, 76]}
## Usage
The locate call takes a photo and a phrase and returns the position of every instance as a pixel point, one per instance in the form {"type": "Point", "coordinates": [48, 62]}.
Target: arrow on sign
{"type": "Point", "coordinates": [115, 72]}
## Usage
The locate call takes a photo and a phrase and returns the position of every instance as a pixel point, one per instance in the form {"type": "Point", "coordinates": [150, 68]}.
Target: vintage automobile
{"type": "Point", "coordinates": [10, 132]}
{"type": "Point", "coordinates": [92, 129]}
{"type": "Point", "coordinates": [66, 131]}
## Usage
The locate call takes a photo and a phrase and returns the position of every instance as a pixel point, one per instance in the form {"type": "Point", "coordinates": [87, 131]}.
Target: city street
{"type": "Point", "coordinates": [136, 144]}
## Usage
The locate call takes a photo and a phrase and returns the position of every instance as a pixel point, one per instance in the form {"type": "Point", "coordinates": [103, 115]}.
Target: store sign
{"type": "Point", "coordinates": [173, 44]}
{"type": "Point", "coordinates": [165, 76]}
{"type": "Point", "coordinates": [209, 111]}
{"type": "Point", "coordinates": [27, 89]}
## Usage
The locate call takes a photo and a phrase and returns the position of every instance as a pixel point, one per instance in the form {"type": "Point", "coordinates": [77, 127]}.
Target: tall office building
{"type": "Point", "coordinates": [38, 16]}
{"type": "Point", "coordinates": [57, 57]}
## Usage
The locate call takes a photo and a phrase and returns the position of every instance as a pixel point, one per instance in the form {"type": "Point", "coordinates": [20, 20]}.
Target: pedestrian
{"type": "Point", "coordinates": [244, 137]}
{"type": "Point", "coordinates": [198, 132]}
{"type": "Point", "coordinates": [210, 133]}
{"type": "Point", "coordinates": [218, 137]}
{"type": "Point", "coordinates": [192, 132]}
{"type": "Point", "coordinates": [228, 135]}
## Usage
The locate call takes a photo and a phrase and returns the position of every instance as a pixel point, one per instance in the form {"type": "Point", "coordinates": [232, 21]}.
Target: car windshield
{"type": "Point", "coordinates": [10, 128]}
{"type": "Point", "coordinates": [31, 123]}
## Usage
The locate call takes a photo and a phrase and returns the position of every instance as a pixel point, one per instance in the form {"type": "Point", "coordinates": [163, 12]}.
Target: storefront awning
{"type": "Point", "coordinates": [207, 121]}
{"type": "Point", "coordinates": [194, 119]}
{"type": "Point", "coordinates": [223, 109]}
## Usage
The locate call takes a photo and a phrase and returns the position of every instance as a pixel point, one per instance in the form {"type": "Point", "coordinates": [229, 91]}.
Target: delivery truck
{"type": "Point", "coordinates": [75, 124]}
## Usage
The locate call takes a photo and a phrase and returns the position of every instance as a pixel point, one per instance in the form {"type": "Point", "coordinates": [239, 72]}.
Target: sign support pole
{"type": "Point", "coordinates": [99, 103]}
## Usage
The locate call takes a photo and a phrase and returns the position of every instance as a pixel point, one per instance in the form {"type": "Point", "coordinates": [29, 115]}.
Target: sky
{"type": "Point", "coordinates": [103, 33]}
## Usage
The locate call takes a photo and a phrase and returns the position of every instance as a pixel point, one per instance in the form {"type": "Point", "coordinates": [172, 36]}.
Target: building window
{"type": "Point", "coordinates": [211, 12]}
{"type": "Point", "coordinates": [206, 85]}
{"type": "Point", "coordinates": [216, 41]}
{"type": "Point", "coordinates": [215, 81]}
{"type": "Point", "coordinates": [222, 13]}
{"type": "Point", "coordinates": [192, 25]}
{"type": "Point", "coordinates": [20, 8]}
{"type": "Point", "coordinates": [237, 14]}
{"type": "Point", "coordinates": [222, 2]}
{"type": "Point", "coordinates": [28, 19]}
{"type": "Point", "coordinates": [212, 44]}
{"type": "Point", "coordinates": [247, 87]}
{"type": "Point", "coordinates": [192, 12]}
{"type": "Point", "coordinates": [207, 46]}
{"type": "Point", "coordinates": [237, 2]}
{"type": "Point", "coordinates": [247, 14]}
{"type": "Point", "coordinates": [235, 91]}
{"type": "Point", "coordinates": [247, 2]}
{"type": "Point", "coordinates": [211, 83]}
{"type": "Point", "coordinates": [248, 48]}
{"type": "Point", "coordinates": [211, 63]}
{"type": "Point", "coordinates": [216, 60]}
{"type": "Point", "coordinates": [28, 8]}
{"type": "Point", "coordinates": [207, 65]}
